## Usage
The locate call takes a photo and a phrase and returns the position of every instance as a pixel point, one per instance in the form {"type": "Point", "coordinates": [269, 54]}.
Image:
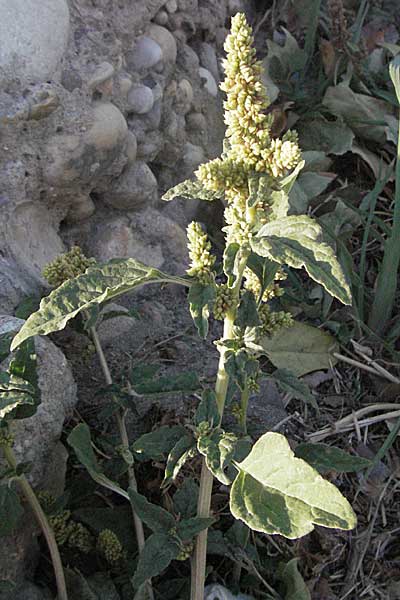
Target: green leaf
{"type": "Point", "coordinates": [277, 493]}
{"type": "Point", "coordinates": [118, 518]}
{"type": "Point", "coordinates": [232, 257]}
{"type": "Point", "coordinates": [288, 382]}
{"type": "Point", "coordinates": [301, 348]}
{"type": "Point", "coordinates": [15, 394]}
{"type": "Point", "coordinates": [295, 241]}
{"type": "Point", "coordinates": [79, 439]}
{"type": "Point", "coordinates": [177, 458]}
{"type": "Point", "coordinates": [208, 410]}
{"type": "Point", "coordinates": [201, 297]}
{"type": "Point", "coordinates": [10, 510]}
{"type": "Point", "coordinates": [159, 550]}
{"type": "Point", "coordinates": [264, 269]}
{"type": "Point", "coordinates": [296, 588]}
{"type": "Point", "coordinates": [325, 458]}
{"type": "Point", "coordinates": [240, 366]}
{"type": "Point", "coordinates": [28, 305]}
{"type": "Point", "coordinates": [188, 528]}
{"type": "Point", "coordinates": [98, 284]}
{"type": "Point", "coordinates": [185, 499]}
{"type": "Point", "coordinates": [155, 517]}
{"type": "Point", "coordinates": [218, 447]}
{"type": "Point", "coordinates": [191, 189]}
{"type": "Point", "coordinates": [170, 384]}
{"type": "Point", "coordinates": [156, 444]}
{"type": "Point", "coordinates": [5, 343]}
{"type": "Point", "coordinates": [333, 137]}
{"type": "Point", "coordinates": [394, 72]}
{"type": "Point", "coordinates": [247, 314]}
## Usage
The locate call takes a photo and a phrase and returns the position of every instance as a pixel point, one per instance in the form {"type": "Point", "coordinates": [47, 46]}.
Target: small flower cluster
{"type": "Point", "coordinates": [109, 546]}
{"type": "Point", "coordinates": [252, 283]}
{"type": "Point", "coordinates": [273, 321]}
{"type": "Point", "coordinates": [223, 301]}
{"type": "Point", "coordinates": [66, 266]}
{"type": "Point", "coordinates": [66, 530]}
{"type": "Point", "coordinates": [199, 248]}
{"type": "Point", "coordinates": [186, 550]}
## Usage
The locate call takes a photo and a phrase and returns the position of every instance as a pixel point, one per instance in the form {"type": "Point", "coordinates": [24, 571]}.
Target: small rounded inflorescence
{"type": "Point", "coordinates": [273, 321]}
{"type": "Point", "coordinates": [61, 526]}
{"type": "Point", "coordinates": [252, 283]}
{"type": "Point", "coordinates": [202, 261]}
{"type": "Point", "coordinates": [80, 538]}
{"type": "Point", "coordinates": [186, 550]}
{"type": "Point", "coordinates": [223, 301]}
{"type": "Point", "coordinates": [66, 266]}
{"type": "Point", "coordinates": [109, 546]}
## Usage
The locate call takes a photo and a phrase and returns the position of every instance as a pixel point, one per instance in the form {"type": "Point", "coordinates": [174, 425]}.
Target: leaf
{"type": "Point", "coordinates": [170, 384]}
{"type": "Point", "coordinates": [118, 518]}
{"type": "Point", "coordinates": [207, 411]}
{"type": "Point", "coordinates": [190, 189]}
{"type": "Point", "coordinates": [155, 517]}
{"type": "Point", "coordinates": [277, 493]}
{"type": "Point", "coordinates": [177, 458]}
{"type": "Point", "coordinates": [189, 528]}
{"type": "Point", "coordinates": [240, 366]}
{"type": "Point", "coordinates": [98, 284]}
{"type": "Point", "coordinates": [247, 314]}
{"type": "Point", "coordinates": [333, 137]}
{"type": "Point", "coordinates": [295, 241]}
{"type": "Point", "coordinates": [218, 447]}
{"type": "Point", "coordinates": [201, 297]}
{"type": "Point", "coordinates": [156, 444]}
{"type": "Point", "coordinates": [264, 269]}
{"type": "Point", "coordinates": [5, 343]}
{"type": "Point", "coordinates": [28, 305]}
{"type": "Point", "coordinates": [394, 72]}
{"type": "Point", "coordinates": [185, 499]}
{"type": "Point", "coordinates": [301, 348]}
{"type": "Point", "coordinates": [15, 393]}
{"type": "Point", "coordinates": [79, 439]}
{"type": "Point", "coordinates": [10, 510]}
{"type": "Point", "coordinates": [325, 458]}
{"type": "Point", "coordinates": [159, 550]}
{"type": "Point", "coordinates": [288, 382]}
{"type": "Point", "coordinates": [231, 256]}
{"type": "Point", "coordinates": [296, 588]}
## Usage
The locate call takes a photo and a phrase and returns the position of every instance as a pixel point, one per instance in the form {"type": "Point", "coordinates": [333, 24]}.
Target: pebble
{"type": "Point", "coordinates": [193, 155]}
{"type": "Point", "coordinates": [102, 73]}
{"type": "Point", "coordinates": [184, 96]}
{"type": "Point", "coordinates": [208, 59]}
{"type": "Point", "coordinates": [109, 126]}
{"type": "Point", "coordinates": [140, 99]}
{"type": "Point", "coordinates": [131, 147]}
{"type": "Point", "coordinates": [171, 6]}
{"type": "Point", "coordinates": [161, 18]}
{"type": "Point", "coordinates": [82, 208]}
{"type": "Point", "coordinates": [165, 40]}
{"type": "Point", "coordinates": [146, 53]}
{"type": "Point", "coordinates": [196, 122]}
{"type": "Point", "coordinates": [135, 187]}
{"type": "Point", "coordinates": [125, 84]}
{"type": "Point", "coordinates": [210, 83]}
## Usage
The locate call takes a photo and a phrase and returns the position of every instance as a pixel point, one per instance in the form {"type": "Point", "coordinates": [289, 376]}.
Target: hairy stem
{"type": "Point", "coordinates": [139, 531]}
{"type": "Point", "coordinates": [44, 525]}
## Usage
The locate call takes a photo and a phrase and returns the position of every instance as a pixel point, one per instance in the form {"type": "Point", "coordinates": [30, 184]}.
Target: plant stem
{"type": "Point", "coordinates": [120, 417]}
{"type": "Point", "coordinates": [44, 525]}
{"type": "Point", "coordinates": [244, 401]}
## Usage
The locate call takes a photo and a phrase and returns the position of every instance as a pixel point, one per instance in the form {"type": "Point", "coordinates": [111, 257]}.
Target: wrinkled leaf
{"type": "Point", "coordinates": [325, 458]}
{"type": "Point", "coordinates": [98, 284]}
{"type": "Point", "coordinates": [296, 241]}
{"type": "Point", "coordinates": [332, 137]}
{"type": "Point", "coordinates": [277, 493]}
{"type": "Point", "coordinates": [188, 528]}
{"type": "Point", "coordinates": [201, 298]}
{"type": "Point", "coordinates": [247, 314]}
{"type": "Point", "coordinates": [288, 382]}
{"type": "Point", "coordinates": [301, 348]}
{"type": "Point", "coordinates": [190, 189]}
{"type": "Point", "coordinates": [154, 516]}
{"type": "Point", "coordinates": [10, 510]}
{"type": "Point", "coordinates": [207, 410]}
{"type": "Point", "coordinates": [177, 458]}
{"type": "Point", "coordinates": [240, 366]}
{"type": "Point", "coordinates": [159, 550]}
{"type": "Point", "coordinates": [185, 499]}
{"type": "Point", "coordinates": [218, 448]}
{"type": "Point", "coordinates": [156, 444]}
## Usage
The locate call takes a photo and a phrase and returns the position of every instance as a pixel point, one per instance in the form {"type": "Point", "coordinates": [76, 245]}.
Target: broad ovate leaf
{"type": "Point", "coordinates": [98, 284]}
{"type": "Point", "coordinates": [277, 493]}
{"type": "Point", "coordinates": [157, 518]}
{"type": "Point", "coordinates": [190, 189]}
{"type": "Point", "coordinates": [327, 458]}
{"type": "Point", "coordinates": [296, 241]}
{"type": "Point", "coordinates": [300, 348]}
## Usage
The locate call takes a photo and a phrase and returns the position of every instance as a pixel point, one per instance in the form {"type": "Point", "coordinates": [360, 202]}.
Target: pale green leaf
{"type": "Point", "coordinates": [98, 284]}
{"type": "Point", "coordinates": [10, 510]}
{"type": "Point", "coordinates": [157, 518]}
{"type": "Point", "coordinates": [300, 348]}
{"type": "Point", "coordinates": [159, 550]}
{"type": "Point", "coordinates": [177, 458]}
{"type": "Point", "coordinates": [296, 241]}
{"type": "Point", "coordinates": [277, 493]}
{"type": "Point", "coordinates": [218, 448]}
{"type": "Point", "coordinates": [326, 458]}
{"type": "Point", "coordinates": [201, 298]}
{"type": "Point", "coordinates": [296, 588]}
{"type": "Point", "coordinates": [190, 189]}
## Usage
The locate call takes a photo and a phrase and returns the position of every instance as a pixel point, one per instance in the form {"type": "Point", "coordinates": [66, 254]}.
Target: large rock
{"type": "Point", "coordinates": [37, 442]}
{"type": "Point", "coordinates": [34, 35]}
{"type": "Point", "coordinates": [135, 188]}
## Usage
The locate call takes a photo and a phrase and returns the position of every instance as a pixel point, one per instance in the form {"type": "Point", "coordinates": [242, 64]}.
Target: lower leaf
{"type": "Point", "coordinates": [159, 550]}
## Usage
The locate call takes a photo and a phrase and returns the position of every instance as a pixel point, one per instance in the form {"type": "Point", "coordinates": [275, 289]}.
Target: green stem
{"type": "Point", "coordinates": [44, 525]}
{"type": "Point", "coordinates": [120, 417]}
{"type": "Point", "coordinates": [206, 479]}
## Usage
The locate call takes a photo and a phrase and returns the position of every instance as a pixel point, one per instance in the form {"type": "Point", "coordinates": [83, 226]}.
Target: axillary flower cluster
{"type": "Point", "coordinates": [249, 151]}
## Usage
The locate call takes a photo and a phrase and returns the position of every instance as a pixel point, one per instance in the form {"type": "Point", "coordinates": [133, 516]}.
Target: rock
{"type": "Point", "coordinates": [71, 79]}
{"type": "Point", "coordinates": [131, 147]}
{"type": "Point", "coordinates": [171, 6]}
{"type": "Point", "coordinates": [82, 208]}
{"type": "Point", "coordinates": [136, 187]}
{"type": "Point", "coordinates": [140, 99]}
{"type": "Point", "coordinates": [161, 18]}
{"type": "Point", "coordinates": [102, 73]}
{"type": "Point", "coordinates": [150, 146]}
{"type": "Point", "coordinates": [37, 442]}
{"type": "Point", "coordinates": [196, 122]}
{"type": "Point", "coordinates": [153, 117]}
{"type": "Point", "coordinates": [165, 40]}
{"type": "Point", "coordinates": [124, 83]}
{"type": "Point", "coordinates": [184, 96]}
{"type": "Point", "coordinates": [188, 59]}
{"type": "Point", "coordinates": [109, 127]}
{"type": "Point", "coordinates": [208, 59]}
{"type": "Point", "coordinates": [209, 83]}
{"type": "Point", "coordinates": [146, 53]}
{"type": "Point", "coordinates": [34, 36]}
{"type": "Point", "coordinates": [112, 327]}
{"type": "Point", "coordinates": [193, 156]}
